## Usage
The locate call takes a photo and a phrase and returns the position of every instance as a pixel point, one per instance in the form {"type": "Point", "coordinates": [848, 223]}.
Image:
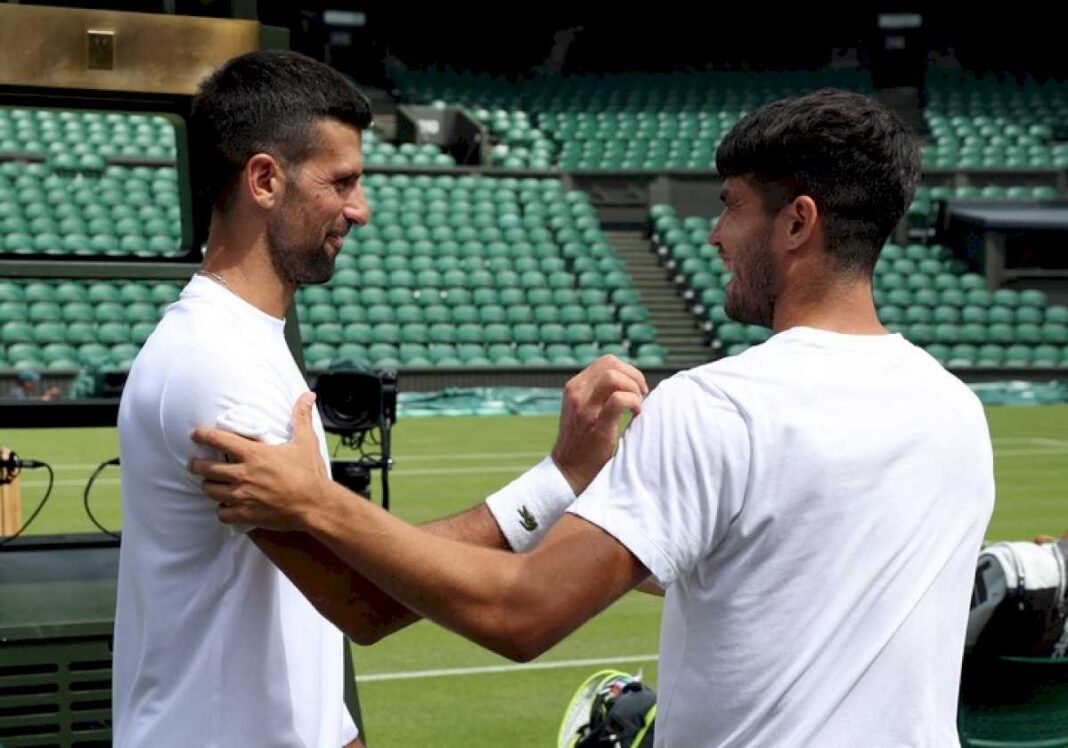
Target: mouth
{"type": "Point", "coordinates": [335, 241]}
{"type": "Point", "coordinates": [340, 234]}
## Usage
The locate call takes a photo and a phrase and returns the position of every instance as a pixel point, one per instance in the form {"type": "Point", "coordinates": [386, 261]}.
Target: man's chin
{"type": "Point", "coordinates": [320, 272]}
{"type": "Point", "coordinates": [737, 310]}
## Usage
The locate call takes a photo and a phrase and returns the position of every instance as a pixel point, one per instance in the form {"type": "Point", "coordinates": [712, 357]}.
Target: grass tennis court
{"type": "Point", "coordinates": [425, 686]}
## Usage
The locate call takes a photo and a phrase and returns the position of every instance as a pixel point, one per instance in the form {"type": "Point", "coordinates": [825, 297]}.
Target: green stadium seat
{"type": "Point", "coordinates": [372, 295]}
{"type": "Point", "coordinates": [491, 314]}
{"type": "Point", "coordinates": [386, 333]}
{"type": "Point", "coordinates": [60, 353]}
{"type": "Point", "coordinates": [344, 296]}
{"type": "Point", "coordinates": [359, 333]}
{"type": "Point", "coordinates": [1046, 355]}
{"type": "Point", "coordinates": [141, 312]}
{"type": "Point", "coordinates": [1055, 333]}
{"type": "Point", "coordinates": [1030, 333]}
{"type": "Point", "coordinates": [974, 315]}
{"type": "Point", "coordinates": [889, 314]}
{"type": "Point", "coordinates": [99, 293]}
{"type": "Point", "coordinates": [1005, 297]}
{"type": "Point", "coordinates": [572, 314]}
{"type": "Point", "coordinates": [990, 355]}
{"type": "Point", "coordinates": [140, 332]}
{"type": "Point", "coordinates": [497, 333]}
{"type": "Point", "coordinates": [928, 297]}
{"type": "Point", "coordinates": [437, 314]}
{"type": "Point", "coordinates": [162, 293]}
{"type": "Point", "coordinates": [946, 314]}
{"type": "Point", "coordinates": [640, 333]}
{"type": "Point", "coordinates": [16, 331]}
{"type": "Point", "coordinates": [330, 333]}
{"type": "Point", "coordinates": [44, 311]}
{"type": "Point", "coordinates": [920, 333]}
{"type": "Point", "coordinates": [526, 334]}
{"type": "Point", "coordinates": [624, 296]}
{"type": "Point", "coordinates": [48, 332]}
{"type": "Point", "coordinates": [415, 332]}
{"type": "Point", "coordinates": [122, 354]}
{"type": "Point", "coordinates": [111, 333]}
{"type": "Point", "coordinates": [443, 333]}
{"type": "Point", "coordinates": [632, 313]}
{"type": "Point", "coordinates": [1018, 355]}
{"type": "Point", "coordinates": [978, 297]}
{"type": "Point", "coordinates": [1033, 298]}
{"type": "Point", "coordinates": [579, 334]}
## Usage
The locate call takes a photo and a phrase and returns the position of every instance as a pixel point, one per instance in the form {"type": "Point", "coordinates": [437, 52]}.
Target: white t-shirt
{"type": "Point", "coordinates": [814, 508]}
{"type": "Point", "coordinates": [213, 645]}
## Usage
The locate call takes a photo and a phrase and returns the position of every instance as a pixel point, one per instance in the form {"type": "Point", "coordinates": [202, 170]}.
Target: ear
{"type": "Point", "coordinates": [264, 180]}
{"type": "Point", "coordinates": [801, 217]}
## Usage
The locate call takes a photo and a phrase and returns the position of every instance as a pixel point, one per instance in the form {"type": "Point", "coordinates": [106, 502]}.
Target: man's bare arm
{"type": "Point", "coordinates": [350, 600]}
{"type": "Point", "coordinates": [589, 430]}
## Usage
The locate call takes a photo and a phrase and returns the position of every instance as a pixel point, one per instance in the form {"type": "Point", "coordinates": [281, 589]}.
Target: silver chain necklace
{"type": "Point", "coordinates": [218, 279]}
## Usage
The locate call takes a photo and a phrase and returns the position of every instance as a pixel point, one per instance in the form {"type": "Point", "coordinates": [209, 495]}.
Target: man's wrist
{"type": "Point", "coordinates": [527, 507]}
{"type": "Point", "coordinates": [325, 502]}
{"type": "Point", "coordinates": [573, 477]}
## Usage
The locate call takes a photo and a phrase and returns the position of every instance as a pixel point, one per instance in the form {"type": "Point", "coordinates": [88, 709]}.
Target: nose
{"type": "Point", "coordinates": [357, 211]}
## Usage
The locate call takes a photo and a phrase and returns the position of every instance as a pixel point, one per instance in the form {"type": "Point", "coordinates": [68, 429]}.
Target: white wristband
{"type": "Point", "coordinates": [527, 507]}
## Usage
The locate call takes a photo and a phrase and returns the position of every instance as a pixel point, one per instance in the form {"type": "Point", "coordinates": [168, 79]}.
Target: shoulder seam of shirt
{"type": "Point", "coordinates": [166, 386]}
{"type": "Point", "coordinates": [735, 410]}
{"type": "Point", "coordinates": [729, 404]}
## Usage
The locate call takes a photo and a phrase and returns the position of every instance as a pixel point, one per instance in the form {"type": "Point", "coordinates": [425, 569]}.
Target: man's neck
{"type": "Point", "coordinates": [243, 264]}
{"type": "Point", "coordinates": [842, 305]}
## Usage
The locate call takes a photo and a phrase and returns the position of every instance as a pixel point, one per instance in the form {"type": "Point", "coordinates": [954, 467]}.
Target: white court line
{"type": "Point", "coordinates": [1051, 442]}
{"type": "Point", "coordinates": [486, 669]}
{"type": "Point", "coordinates": [1023, 440]}
{"type": "Point", "coordinates": [396, 473]}
{"type": "Point", "coordinates": [1049, 446]}
{"type": "Point", "coordinates": [1030, 503]}
{"type": "Point", "coordinates": [402, 458]}
{"type": "Point", "coordinates": [402, 472]}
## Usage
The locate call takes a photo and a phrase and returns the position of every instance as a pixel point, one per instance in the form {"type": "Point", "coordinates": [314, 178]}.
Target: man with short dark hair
{"type": "Point", "coordinates": [28, 387]}
{"type": "Point", "coordinates": [213, 645]}
{"type": "Point", "coordinates": [813, 507]}
{"type": "Point", "coordinates": [221, 634]}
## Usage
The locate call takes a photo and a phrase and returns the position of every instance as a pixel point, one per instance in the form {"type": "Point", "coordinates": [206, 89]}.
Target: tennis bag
{"type": "Point", "coordinates": [611, 709]}
{"type": "Point", "coordinates": [1019, 602]}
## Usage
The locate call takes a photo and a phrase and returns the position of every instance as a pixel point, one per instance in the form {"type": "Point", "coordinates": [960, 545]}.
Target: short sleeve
{"type": "Point", "coordinates": [205, 389]}
{"type": "Point", "coordinates": [677, 480]}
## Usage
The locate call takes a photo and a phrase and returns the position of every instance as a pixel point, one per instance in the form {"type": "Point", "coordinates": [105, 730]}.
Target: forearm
{"type": "Point", "coordinates": [349, 599]}
{"type": "Point", "coordinates": [343, 596]}
{"type": "Point", "coordinates": [479, 592]}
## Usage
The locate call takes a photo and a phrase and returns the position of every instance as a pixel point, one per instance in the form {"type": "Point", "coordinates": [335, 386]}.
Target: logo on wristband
{"type": "Point", "coordinates": [526, 519]}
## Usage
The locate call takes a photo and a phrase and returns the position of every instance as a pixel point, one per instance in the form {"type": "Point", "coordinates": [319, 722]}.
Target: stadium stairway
{"type": "Point", "coordinates": [905, 103]}
{"type": "Point", "coordinates": [675, 327]}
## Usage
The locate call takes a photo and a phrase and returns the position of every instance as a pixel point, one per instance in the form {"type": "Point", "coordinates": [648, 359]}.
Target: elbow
{"type": "Point", "coordinates": [519, 638]}
{"type": "Point", "coordinates": [368, 632]}
{"type": "Point", "coordinates": [516, 650]}
{"type": "Point", "coordinates": [357, 629]}
{"type": "Point", "coordinates": [364, 637]}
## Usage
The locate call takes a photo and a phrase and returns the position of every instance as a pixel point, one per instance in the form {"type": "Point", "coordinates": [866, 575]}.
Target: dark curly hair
{"type": "Point", "coordinates": [265, 102]}
{"type": "Point", "coordinates": [850, 154]}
